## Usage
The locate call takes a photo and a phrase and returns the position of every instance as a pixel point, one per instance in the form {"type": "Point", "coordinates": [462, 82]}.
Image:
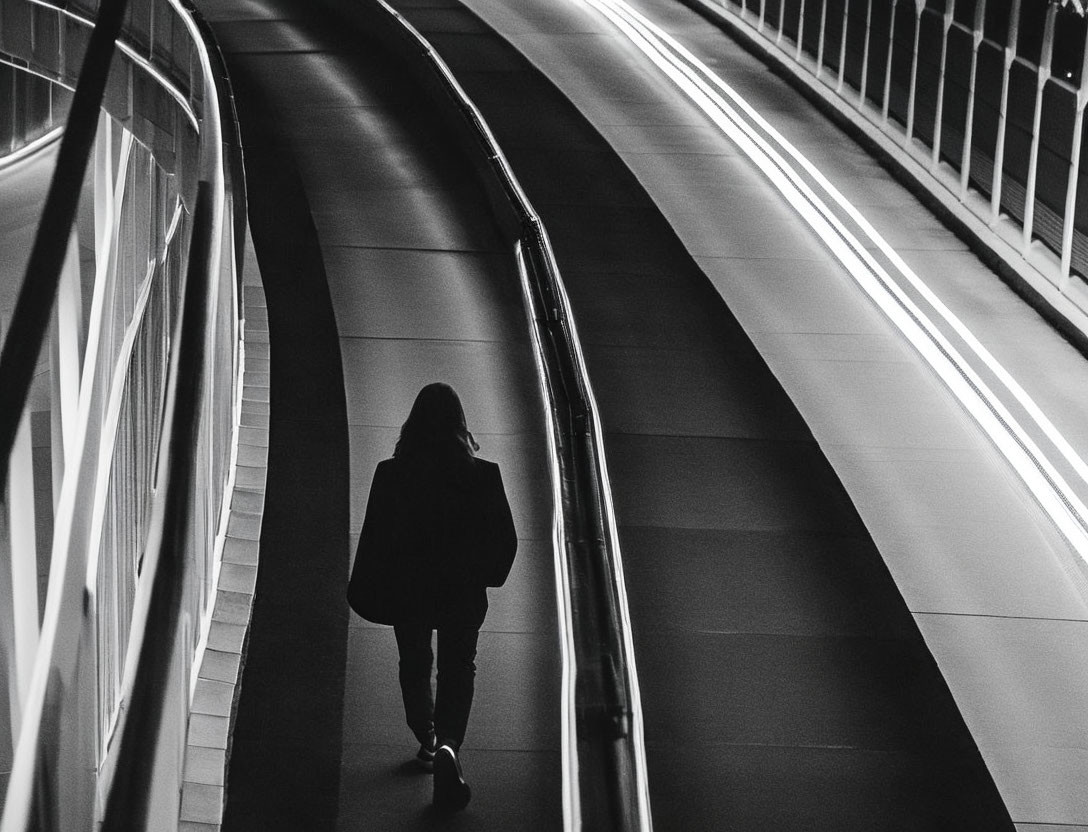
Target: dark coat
{"type": "Point", "coordinates": [436, 533]}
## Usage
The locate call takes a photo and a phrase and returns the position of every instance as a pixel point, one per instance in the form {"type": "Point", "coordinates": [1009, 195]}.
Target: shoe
{"type": "Point", "coordinates": [451, 792]}
{"type": "Point", "coordinates": [425, 757]}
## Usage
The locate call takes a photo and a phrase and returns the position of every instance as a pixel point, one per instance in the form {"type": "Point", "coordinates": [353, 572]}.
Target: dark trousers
{"type": "Point", "coordinates": [446, 711]}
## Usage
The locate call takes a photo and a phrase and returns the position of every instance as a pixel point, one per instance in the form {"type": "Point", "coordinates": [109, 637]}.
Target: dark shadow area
{"type": "Point", "coordinates": [384, 270]}
{"type": "Point", "coordinates": [285, 754]}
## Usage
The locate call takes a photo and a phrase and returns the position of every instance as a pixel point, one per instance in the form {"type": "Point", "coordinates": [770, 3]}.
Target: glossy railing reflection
{"type": "Point", "coordinates": [131, 299]}
{"type": "Point", "coordinates": [605, 778]}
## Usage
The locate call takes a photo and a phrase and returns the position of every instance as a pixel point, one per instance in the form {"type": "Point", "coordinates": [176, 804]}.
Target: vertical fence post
{"type": "Point", "coordinates": [800, 30]}
{"type": "Point", "coordinates": [781, 20]}
{"type": "Point", "coordinates": [938, 117]}
{"type": "Point", "coordinates": [823, 39]}
{"type": "Point", "coordinates": [762, 15]}
{"type": "Point", "coordinates": [969, 127]}
{"type": "Point", "coordinates": [1070, 218]}
{"type": "Point", "coordinates": [842, 46]}
{"type": "Point", "coordinates": [919, 6]}
{"type": "Point", "coordinates": [1041, 78]}
{"type": "Point", "coordinates": [865, 53]}
{"type": "Point", "coordinates": [888, 65]}
{"type": "Point", "coordinates": [1003, 112]}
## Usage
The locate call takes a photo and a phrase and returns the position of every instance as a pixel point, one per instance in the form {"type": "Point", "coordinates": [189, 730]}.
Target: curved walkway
{"type": "Point", "coordinates": [384, 272]}
{"type": "Point", "coordinates": [999, 596]}
{"type": "Point", "coordinates": [785, 682]}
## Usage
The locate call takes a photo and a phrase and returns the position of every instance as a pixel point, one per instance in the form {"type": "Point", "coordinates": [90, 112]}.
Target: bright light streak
{"type": "Point", "coordinates": [705, 90]}
{"type": "Point", "coordinates": [638, 733]}
{"type": "Point", "coordinates": [30, 148]}
{"type": "Point", "coordinates": [568, 733]}
{"type": "Point", "coordinates": [1021, 396]}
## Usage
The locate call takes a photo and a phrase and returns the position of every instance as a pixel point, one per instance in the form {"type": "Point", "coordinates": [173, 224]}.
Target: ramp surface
{"type": "Point", "coordinates": [384, 272]}
{"type": "Point", "coordinates": [785, 683]}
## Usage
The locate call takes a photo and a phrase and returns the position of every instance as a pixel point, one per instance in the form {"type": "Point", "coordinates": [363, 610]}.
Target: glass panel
{"type": "Point", "coordinates": [930, 44]}
{"type": "Point", "coordinates": [1080, 223]}
{"type": "Point", "coordinates": [791, 16]}
{"type": "Point", "coordinates": [987, 102]}
{"type": "Point", "coordinates": [878, 51]}
{"type": "Point", "coordinates": [773, 13]}
{"type": "Point", "coordinates": [833, 37]}
{"type": "Point", "coordinates": [1069, 36]}
{"type": "Point", "coordinates": [855, 41]}
{"type": "Point", "coordinates": [811, 36]}
{"type": "Point", "coordinates": [995, 26]}
{"type": "Point", "coordinates": [1059, 113]}
{"type": "Point", "coordinates": [1029, 42]}
{"type": "Point", "coordinates": [964, 12]}
{"type": "Point", "coordinates": [1021, 112]}
{"type": "Point", "coordinates": [902, 58]}
{"type": "Point", "coordinates": [956, 96]}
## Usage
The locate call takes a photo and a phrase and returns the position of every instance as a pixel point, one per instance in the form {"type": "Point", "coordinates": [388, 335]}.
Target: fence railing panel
{"type": "Point", "coordinates": [990, 90]}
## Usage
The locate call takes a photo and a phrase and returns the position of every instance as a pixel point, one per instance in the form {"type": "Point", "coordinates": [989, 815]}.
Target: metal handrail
{"type": "Point", "coordinates": [30, 803]}
{"type": "Point", "coordinates": [155, 621]}
{"type": "Point", "coordinates": [31, 799]}
{"type": "Point", "coordinates": [1031, 224]}
{"type": "Point", "coordinates": [611, 791]}
{"type": "Point", "coordinates": [168, 541]}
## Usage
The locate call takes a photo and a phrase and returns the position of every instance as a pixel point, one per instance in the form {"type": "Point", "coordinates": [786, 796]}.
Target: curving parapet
{"type": "Point", "coordinates": [122, 371]}
{"type": "Point", "coordinates": [977, 103]}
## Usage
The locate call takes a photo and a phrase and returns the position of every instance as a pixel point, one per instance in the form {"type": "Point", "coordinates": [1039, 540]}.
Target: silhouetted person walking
{"type": "Point", "coordinates": [437, 532]}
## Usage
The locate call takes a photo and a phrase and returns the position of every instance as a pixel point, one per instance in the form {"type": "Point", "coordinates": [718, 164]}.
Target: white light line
{"type": "Point", "coordinates": [211, 157]}
{"type": "Point", "coordinates": [38, 73]}
{"type": "Point", "coordinates": [638, 734]}
{"type": "Point", "coordinates": [572, 809]}
{"type": "Point", "coordinates": [1042, 479]}
{"type": "Point", "coordinates": [1022, 397]}
{"type": "Point", "coordinates": [30, 148]}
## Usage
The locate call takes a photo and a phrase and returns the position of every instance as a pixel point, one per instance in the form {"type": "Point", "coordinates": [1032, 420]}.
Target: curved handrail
{"type": "Point", "coordinates": [28, 799]}
{"type": "Point", "coordinates": [31, 148]}
{"type": "Point", "coordinates": [31, 799]}
{"type": "Point", "coordinates": [155, 620]}
{"type": "Point", "coordinates": [30, 318]}
{"type": "Point", "coordinates": [608, 709]}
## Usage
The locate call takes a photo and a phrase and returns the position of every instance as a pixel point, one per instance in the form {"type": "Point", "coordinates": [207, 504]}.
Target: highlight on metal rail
{"type": "Point", "coordinates": [119, 414]}
{"type": "Point", "coordinates": [604, 758]}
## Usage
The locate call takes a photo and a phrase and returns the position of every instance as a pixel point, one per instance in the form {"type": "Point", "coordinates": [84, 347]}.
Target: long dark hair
{"type": "Point", "coordinates": [436, 426]}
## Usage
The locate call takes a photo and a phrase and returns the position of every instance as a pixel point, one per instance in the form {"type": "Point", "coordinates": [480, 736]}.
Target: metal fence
{"type": "Point", "coordinates": [118, 474]}
{"type": "Point", "coordinates": [988, 95]}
